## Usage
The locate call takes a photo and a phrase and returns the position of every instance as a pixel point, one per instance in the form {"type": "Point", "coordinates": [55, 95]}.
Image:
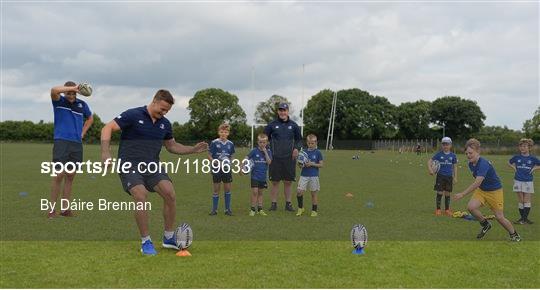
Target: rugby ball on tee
{"type": "Point", "coordinates": [85, 89]}
{"type": "Point", "coordinates": [359, 236]}
{"type": "Point", "coordinates": [184, 236]}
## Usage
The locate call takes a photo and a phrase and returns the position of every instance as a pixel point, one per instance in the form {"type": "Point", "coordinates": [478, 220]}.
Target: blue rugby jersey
{"type": "Point", "coordinates": [69, 119]}
{"type": "Point", "coordinates": [484, 168]}
{"type": "Point", "coordinates": [260, 168]}
{"type": "Point", "coordinates": [524, 164]}
{"type": "Point", "coordinates": [447, 162]}
{"type": "Point", "coordinates": [141, 139]}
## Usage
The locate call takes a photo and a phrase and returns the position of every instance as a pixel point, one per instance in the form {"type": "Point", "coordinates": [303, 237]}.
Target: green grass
{"type": "Point", "coordinates": [408, 246]}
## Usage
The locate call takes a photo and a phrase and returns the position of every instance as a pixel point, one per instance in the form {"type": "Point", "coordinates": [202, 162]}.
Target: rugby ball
{"type": "Point", "coordinates": [247, 166]}
{"type": "Point", "coordinates": [435, 166]}
{"type": "Point", "coordinates": [302, 158]}
{"type": "Point", "coordinates": [85, 89]}
{"type": "Point", "coordinates": [184, 236]}
{"type": "Point", "coordinates": [359, 236]}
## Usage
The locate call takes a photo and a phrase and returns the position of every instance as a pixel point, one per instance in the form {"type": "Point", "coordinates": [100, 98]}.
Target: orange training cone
{"type": "Point", "coordinates": [183, 253]}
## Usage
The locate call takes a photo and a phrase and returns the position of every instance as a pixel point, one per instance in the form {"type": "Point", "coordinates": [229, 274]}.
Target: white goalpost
{"type": "Point", "coordinates": [331, 121]}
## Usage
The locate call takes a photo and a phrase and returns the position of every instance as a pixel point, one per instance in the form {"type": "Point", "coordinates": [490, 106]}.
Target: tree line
{"type": "Point", "coordinates": [359, 115]}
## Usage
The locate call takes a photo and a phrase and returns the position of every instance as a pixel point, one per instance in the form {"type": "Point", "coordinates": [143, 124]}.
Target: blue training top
{"type": "Point", "coordinates": [447, 162]}
{"type": "Point", "coordinates": [524, 164]}
{"type": "Point", "coordinates": [141, 138]}
{"type": "Point", "coordinates": [260, 167]}
{"type": "Point", "coordinates": [222, 149]}
{"type": "Point", "coordinates": [484, 168]}
{"type": "Point", "coordinates": [314, 156]}
{"type": "Point", "coordinates": [69, 119]}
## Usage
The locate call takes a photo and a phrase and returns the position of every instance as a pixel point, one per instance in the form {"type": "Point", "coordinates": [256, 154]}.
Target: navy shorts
{"type": "Point", "coordinates": [149, 180]}
{"type": "Point", "coordinates": [67, 151]}
{"type": "Point", "coordinates": [222, 177]}
{"type": "Point", "coordinates": [443, 183]}
{"type": "Point", "coordinates": [283, 169]}
{"type": "Point", "coordinates": [258, 184]}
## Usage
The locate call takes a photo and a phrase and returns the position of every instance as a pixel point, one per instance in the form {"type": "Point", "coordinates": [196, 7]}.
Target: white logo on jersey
{"type": "Point", "coordinates": [162, 126]}
{"type": "Point", "coordinates": [277, 127]}
{"type": "Point", "coordinates": [519, 160]}
{"type": "Point", "coordinates": [119, 117]}
{"type": "Point", "coordinates": [141, 122]}
{"type": "Point", "coordinates": [80, 105]}
{"type": "Point", "coordinates": [218, 146]}
{"type": "Point", "coordinates": [529, 162]}
{"type": "Point", "coordinates": [290, 127]}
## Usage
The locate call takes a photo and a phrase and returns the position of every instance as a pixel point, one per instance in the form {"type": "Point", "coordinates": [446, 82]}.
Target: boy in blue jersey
{"type": "Point", "coordinates": [309, 177]}
{"type": "Point", "coordinates": [487, 190]}
{"type": "Point", "coordinates": [524, 165]}
{"type": "Point", "coordinates": [72, 119]}
{"type": "Point", "coordinates": [221, 149]}
{"type": "Point", "coordinates": [262, 157]}
{"type": "Point", "coordinates": [446, 177]}
{"type": "Point", "coordinates": [145, 130]}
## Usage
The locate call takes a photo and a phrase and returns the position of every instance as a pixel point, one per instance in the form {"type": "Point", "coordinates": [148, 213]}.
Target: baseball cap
{"type": "Point", "coordinates": [446, 140]}
{"type": "Point", "coordinates": [283, 106]}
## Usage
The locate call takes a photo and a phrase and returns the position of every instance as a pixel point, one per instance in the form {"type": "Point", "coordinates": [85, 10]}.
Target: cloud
{"type": "Point", "coordinates": [404, 51]}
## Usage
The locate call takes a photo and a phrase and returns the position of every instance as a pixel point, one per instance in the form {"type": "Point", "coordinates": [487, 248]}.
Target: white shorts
{"type": "Point", "coordinates": [310, 183]}
{"type": "Point", "coordinates": [523, 186]}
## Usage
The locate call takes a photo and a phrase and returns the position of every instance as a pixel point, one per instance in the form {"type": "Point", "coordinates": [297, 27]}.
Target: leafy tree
{"type": "Point", "coordinates": [94, 132]}
{"type": "Point", "coordinates": [461, 117]}
{"type": "Point", "coordinates": [413, 119]}
{"type": "Point", "coordinates": [498, 134]}
{"type": "Point", "coordinates": [182, 132]}
{"type": "Point", "coordinates": [211, 107]}
{"type": "Point", "coordinates": [531, 127]}
{"type": "Point", "coordinates": [359, 115]}
{"type": "Point", "coordinates": [266, 111]}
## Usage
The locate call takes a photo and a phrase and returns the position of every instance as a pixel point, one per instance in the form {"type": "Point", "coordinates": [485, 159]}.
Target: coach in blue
{"type": "Point", "coordinates": [285, 142]}
{"type": "Point", "coordinates": [72, 119]}
{"type": "Point", "coordinates": [144, 131]}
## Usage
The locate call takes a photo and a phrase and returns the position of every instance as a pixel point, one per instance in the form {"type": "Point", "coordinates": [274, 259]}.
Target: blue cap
{"type": "Point", "coordinates": [283, 106]}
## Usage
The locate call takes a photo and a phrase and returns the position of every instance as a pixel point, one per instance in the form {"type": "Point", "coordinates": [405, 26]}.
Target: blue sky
{"type": "Point", "coordinates": [403, 51]}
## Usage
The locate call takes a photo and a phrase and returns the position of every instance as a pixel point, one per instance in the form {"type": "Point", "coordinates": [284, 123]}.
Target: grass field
{"type": "Point", "coordinates": [408, 246]}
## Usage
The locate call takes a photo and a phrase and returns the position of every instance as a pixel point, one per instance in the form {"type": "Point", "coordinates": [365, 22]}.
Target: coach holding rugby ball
{"type": "Point", "coordinates": [285, 142]}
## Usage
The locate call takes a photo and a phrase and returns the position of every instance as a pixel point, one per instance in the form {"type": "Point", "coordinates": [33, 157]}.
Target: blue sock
{"type": "Point", "coordinates": [215, 201]}
{"type": "Point", "coordinates": [227, 200]}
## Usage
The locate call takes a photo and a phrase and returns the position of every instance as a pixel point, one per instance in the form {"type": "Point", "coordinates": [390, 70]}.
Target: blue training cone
{"type": "Point", "coordinates": [358, 251]}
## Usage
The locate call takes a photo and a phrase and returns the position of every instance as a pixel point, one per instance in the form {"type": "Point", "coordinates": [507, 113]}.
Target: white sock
{"type": "Point", "coordinates": [146, 238]}
{"type": "Point", "coordinates": [168, 235]}
{"type": "Point", "coordinates": [527, 204]}
{"type": "Point", "coordinates": [520, 205]}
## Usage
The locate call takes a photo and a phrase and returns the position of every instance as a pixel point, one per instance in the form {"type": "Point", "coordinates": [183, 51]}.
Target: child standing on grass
{"type": "Point", "coordinates": [262, 157]}
{"type": "Point", "coordinates": [309, 177]}
{"type": "Point", "coordinates": [446, 177]}
{"type": "Point", "coordinates": [221, 149]}
{"type": "Point", "coordinates": [524, 166]}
